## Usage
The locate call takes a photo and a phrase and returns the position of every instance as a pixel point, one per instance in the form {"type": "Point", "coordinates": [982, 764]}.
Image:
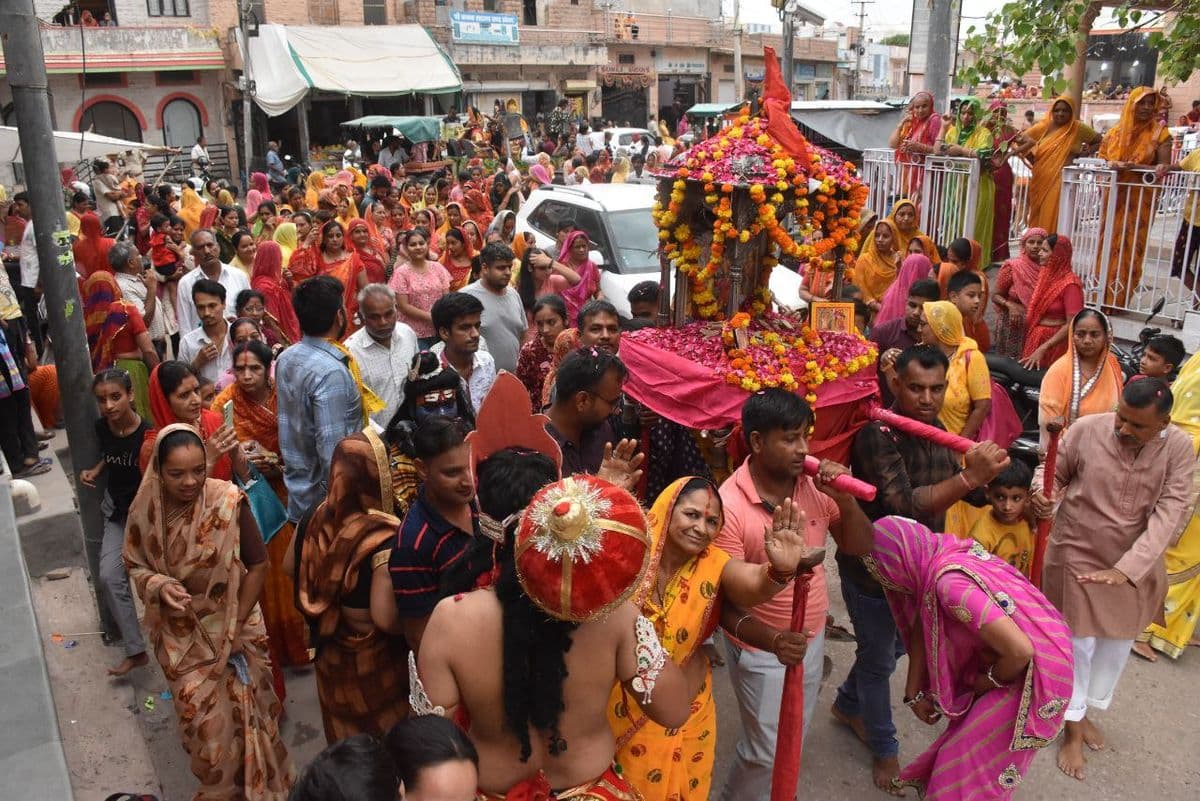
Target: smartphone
{"type": "Point", "coordinates": [227, 410]}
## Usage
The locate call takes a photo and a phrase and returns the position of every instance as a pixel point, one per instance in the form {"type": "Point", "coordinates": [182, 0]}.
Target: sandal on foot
{"type": "Point", "coordinates": [36, 469]}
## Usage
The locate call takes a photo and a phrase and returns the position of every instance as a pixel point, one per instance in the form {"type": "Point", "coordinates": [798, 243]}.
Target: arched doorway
{"type": "Point", "coordinates": [111, 119]}
{"type": "Point", "coordinates": [181, 123]}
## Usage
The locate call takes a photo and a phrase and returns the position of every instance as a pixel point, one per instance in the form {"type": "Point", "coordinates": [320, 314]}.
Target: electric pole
{"type": "Point", "coordinates": [739, 79]}
{"type": "Point", "coordinates": [862, 46]}
{"type": "Point", "coordinates": [938, 55]}
{"type": "Point", "coordinates": [789, 43]}
{"type": "Point", "coordinates": [244, 12]}
{"type": "Point", "coordinates": [26, 63]}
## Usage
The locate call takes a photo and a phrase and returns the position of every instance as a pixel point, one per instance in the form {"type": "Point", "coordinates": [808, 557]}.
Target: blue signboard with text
{"type": "Point", "coordinates": [478, 27]}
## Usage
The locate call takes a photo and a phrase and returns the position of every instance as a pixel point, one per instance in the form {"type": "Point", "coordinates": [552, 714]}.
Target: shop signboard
{"type": "Point", "coordinates": [479, 27]}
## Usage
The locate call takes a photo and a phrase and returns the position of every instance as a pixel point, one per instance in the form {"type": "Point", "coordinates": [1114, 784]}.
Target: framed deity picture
{"type": "Point", "coordinates": [832, 317]}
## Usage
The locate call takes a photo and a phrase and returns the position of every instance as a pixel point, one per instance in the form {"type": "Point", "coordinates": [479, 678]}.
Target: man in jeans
{"type": "Point", "coordinates": [914, 478]}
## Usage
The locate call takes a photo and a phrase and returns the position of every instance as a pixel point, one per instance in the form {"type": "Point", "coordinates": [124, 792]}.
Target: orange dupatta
{"type": "Point", "coordinates": [1067, 395]}
{"type": "Point", "coordinates": [649, 754]}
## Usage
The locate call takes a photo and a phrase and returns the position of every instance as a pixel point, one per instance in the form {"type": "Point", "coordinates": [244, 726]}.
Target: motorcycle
{"type": "Point", "coordinates": [1131, 359]}
{"type": "Point", "coordinates": [1024, 390]}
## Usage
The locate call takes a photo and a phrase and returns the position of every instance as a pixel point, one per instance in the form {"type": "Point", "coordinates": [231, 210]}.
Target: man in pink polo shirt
{"type": "Point", "coordinates": [775, 424]}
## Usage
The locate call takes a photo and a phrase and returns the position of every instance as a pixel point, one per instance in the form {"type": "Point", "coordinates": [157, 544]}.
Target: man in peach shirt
{"type": "Point", "coordinates": [775, 424]}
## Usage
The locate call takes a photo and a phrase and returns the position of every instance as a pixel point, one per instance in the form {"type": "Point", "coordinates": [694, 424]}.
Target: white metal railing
{"type": "Point", "coordinates": [944, 188]}
{"type": "Point", "coordinates": [1133, 239]}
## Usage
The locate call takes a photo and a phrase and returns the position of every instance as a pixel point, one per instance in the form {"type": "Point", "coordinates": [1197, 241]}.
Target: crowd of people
{"type": "Point", "coordinates": [1140, 140]}
{"type": "Point", "coordinates": [361, 423]}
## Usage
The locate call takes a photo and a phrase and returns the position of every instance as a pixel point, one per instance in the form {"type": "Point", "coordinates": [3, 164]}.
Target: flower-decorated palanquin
{"type": "Point", "coordinates": [727, 210]}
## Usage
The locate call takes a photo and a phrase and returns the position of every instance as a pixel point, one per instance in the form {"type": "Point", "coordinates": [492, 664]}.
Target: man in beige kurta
{"type": "Point", "coordinates": [1125, 481]}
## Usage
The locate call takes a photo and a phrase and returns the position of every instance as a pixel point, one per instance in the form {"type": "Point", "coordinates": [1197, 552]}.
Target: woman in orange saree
{"type": "Point", "coordinates": [1139, 139]}
{"type": "Point", "coordinates": [1051, 144]}
{"type": "Point", "coordinates": [369, 251]}
{"type": "Point", "coordinates": [255, 421]}
{"type": "Point", "coordinates": [197, 561]}
{"type": "Point", "coordinates": [682, 595]}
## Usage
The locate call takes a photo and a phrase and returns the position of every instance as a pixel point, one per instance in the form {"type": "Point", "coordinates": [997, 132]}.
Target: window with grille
{"type": "Point", "coordinates": [529, 12]}
{"type": "Point", "coordinates": [323, 12]}
{"type": "Point", "coordinates": [374, 12]}
{"type": "Point", "coordinates": [168, 8]}
{"type": "Point", "coordinates": [625, 58]}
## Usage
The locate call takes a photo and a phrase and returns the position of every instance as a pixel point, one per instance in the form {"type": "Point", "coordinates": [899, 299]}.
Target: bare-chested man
{"type": "Point", "coordinates": [534, 684]}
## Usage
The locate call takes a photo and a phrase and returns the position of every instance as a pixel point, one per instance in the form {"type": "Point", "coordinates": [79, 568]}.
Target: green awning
{"type": "Point", "coordinates": [710, 109]}
{"type": "Point", "coordinates": [417, 129]}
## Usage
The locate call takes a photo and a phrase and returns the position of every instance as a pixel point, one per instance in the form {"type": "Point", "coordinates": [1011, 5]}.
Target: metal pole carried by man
{"type": "Point", "coordinates": [26, 65]}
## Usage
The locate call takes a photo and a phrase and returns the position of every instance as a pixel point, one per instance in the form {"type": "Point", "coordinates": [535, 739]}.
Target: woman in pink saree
{"type": "Point", "coordinates": [915, 268]}
{"type": "Point", "coordinates": [986, 650]}
{"type": "Point", "coordinates": [913, 140]}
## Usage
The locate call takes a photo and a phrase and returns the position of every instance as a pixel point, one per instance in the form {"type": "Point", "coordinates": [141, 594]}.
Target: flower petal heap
{"type": "Point", "coordinates": [777, 353]}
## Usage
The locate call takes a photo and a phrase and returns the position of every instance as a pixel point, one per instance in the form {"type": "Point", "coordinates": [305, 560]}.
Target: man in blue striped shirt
{"type": "Point", "coordinates": [319, 401]}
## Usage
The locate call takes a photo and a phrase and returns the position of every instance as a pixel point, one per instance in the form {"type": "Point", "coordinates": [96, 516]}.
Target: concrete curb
{"type": "Point", "coordinates": [32, 761]}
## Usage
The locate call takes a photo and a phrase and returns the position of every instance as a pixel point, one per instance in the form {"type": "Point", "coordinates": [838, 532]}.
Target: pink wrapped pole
{"type": "Point", "coordinates": [844, 483]}
{"type": "Point", "coordinates": [918, 429]}
{"type": "Point", "coordinates": [785, 774]}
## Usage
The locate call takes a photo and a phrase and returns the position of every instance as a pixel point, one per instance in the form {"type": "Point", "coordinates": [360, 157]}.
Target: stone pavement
{"type": "Point", "coordinates": [114, 742]}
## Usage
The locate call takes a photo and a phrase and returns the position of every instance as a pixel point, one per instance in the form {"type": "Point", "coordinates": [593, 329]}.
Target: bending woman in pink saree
{"type": "Point", "coordinates": [986, 650]}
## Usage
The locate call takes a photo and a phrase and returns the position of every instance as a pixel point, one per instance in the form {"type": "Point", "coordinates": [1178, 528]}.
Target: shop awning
{"type": "Point", "coordinates": [571, 87]}
{"type": "Point", "coordinates": [287, 61]}
{"type": "Point", "coordinates": [710, 109]}
{"type": "Point", "coordinates": [68, 149]}
{"type": "Point", "coordinates": [854, 128]}
{"type": "Point", "coordinates": [416, 129]}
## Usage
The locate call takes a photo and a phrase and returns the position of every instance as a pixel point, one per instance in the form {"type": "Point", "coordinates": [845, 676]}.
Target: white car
{"type": "Point", "coordinates": [622, 140]}
{"type": "Point", "coordinates": [618, 221]}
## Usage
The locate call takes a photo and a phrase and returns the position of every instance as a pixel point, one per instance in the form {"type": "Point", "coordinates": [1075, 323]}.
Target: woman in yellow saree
{"type": "Point", "coordinates": [1182, 607]}
{"type": "Point", "coordinates": [1139, 139]}
{"type": "Point", "coordinates": [682, 596]}
{"type": "Point", "coordinates": [879, 262]}
{"type": "Point", "coordinates": [1052, 143]}
{"type": "Point", "coordinates": [198, 562]}
{"type": "Point", "coordinates": [969, 138]}
{"type": "Point", "coordinates": [314, 185]}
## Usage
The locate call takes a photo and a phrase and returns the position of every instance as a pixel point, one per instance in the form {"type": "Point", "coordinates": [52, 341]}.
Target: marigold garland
{"type": "Point", "coordinates": [825, 197]}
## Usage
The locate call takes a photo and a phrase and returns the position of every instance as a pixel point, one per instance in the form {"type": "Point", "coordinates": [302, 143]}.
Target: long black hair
{"type": "Point", "coordinates": [535, 644]}
{"type": "Point", "coordinates": [525, 286]}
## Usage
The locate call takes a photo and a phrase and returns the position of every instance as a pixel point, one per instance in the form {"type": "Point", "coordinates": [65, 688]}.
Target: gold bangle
{"type": "Point", "coordinates": [737, 626]}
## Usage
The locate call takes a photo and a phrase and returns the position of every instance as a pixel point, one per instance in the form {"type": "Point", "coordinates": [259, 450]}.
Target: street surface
{"type": "Point", "coordinates": [120, 735]}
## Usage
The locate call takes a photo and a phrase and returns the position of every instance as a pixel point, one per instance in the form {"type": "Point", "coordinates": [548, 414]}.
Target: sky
{"type": "Point", "coordinates": [883, 16]}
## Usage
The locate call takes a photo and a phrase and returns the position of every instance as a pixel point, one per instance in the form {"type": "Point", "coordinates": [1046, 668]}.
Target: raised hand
{"type": "Point", "coordinates": [784, 542]}
{"type": "Point", "coordinates": [621, 464]}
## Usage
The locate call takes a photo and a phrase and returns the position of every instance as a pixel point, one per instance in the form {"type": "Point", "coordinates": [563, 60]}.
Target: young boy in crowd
{"type": "Point", "coordinates": [1004, 527]}
{"type": "Point", "coordinates": [965, 291]}
{"type": "Point", "coordinates": [1162, 358]}
{"type": "Point", "coordinates": [643, 304]}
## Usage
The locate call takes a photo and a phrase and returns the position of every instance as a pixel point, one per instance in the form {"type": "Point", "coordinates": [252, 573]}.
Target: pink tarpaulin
{"type": "Point", "coordinates": [694, 396]}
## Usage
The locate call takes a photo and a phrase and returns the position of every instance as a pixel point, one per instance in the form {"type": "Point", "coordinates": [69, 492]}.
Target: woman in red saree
{"type": "Point", "coordinates": [458, 258]}
{"type": "Point", "coordinates": [913, 140]}
{"type": "Point", "coordinates": [196, 559]}
{"type": "Point", "coordinates": [454, 214]}
{"type": "Point", "coordinates": [1014, 290]}
{"type": "Point", "coordinates": [379, 224]}
{"type": "Point", "coordinates": [1003, 135]}
{"type": "Point", "coordinates": [328, 256]}
{"type": "Point", "coordinates": [478, 208]}
{"type": "Point", "coordinates": [267, 277]}
{"type": "Point", "coordinates": [91, 248]}
{"type": "Point", "coordinates": [255, 422]}
{"type": "Point", "coordinates": [1057, 297]}
{"type": "Point", "coordinates": [370, 252]}
{"type": "Point", "coordinates": [175, 398]}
